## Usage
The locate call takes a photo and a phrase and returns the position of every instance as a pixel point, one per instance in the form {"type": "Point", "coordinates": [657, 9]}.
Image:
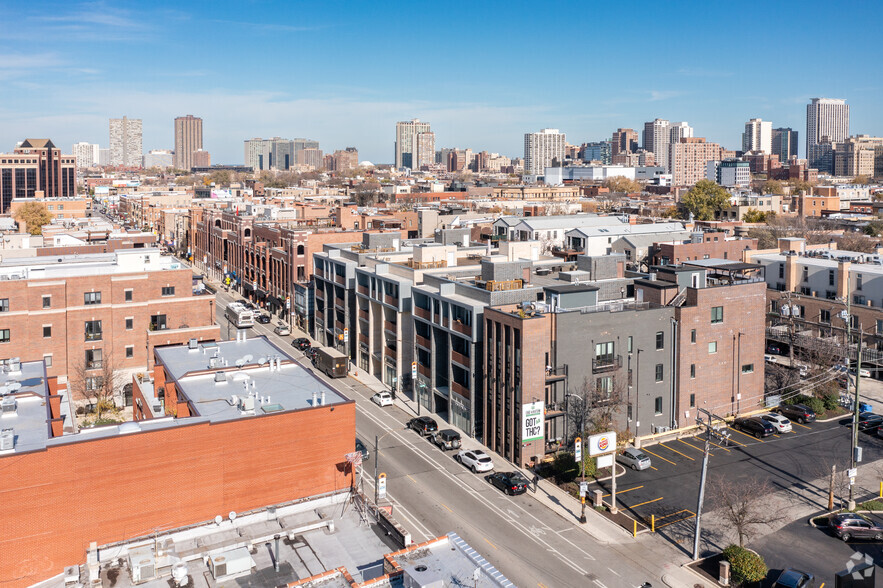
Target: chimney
{"type": "Point", "coordinates": [314, 398]}
{"type": "Point", "coordinates": [843, 278]}
{"type": "Point", "coordinates": [323, 398]}
{"type": "Point", "coordinates": [791, 271]}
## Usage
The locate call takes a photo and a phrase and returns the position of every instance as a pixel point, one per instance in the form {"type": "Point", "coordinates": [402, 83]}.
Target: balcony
{"type": "Point", "coordinates": [424, 370]}
{"type": "Point", "coordinates": [94, 336]}
{"type": "Point", "coordinates": [319, 273]}
{"type": "Point", "coordinates": [362, 289]}
{"type": "Point", "coordinates": [460, 358]}
{"type": "Point", "coordinates": [391, 327]}
{"type": "Point", "coordinates": [460, 389]}
{"type": "Point", "coordinates": [389, 352]}
{"type": "Point", "coordinates": [421, 312]}
{"type": "Point", "coordinates": [391, 300]}
{"type": "Point", "coordinates": [363, 338]}
{"type": "Point", "coordinates": [558, 374]}
{"type": "Point", "coordinates": [320, 294]}
{"type": "Point", "coordinates": [462, 328]}
{"type": "Point", "coordinates": [338, 303]}
{"type": "Point", "coordinates": [340, 279]}
{"type": "Point", "coordinates": [606, 363]}
{"type": "Point", "coordinates": [423, 342]}
{"type": "Point", "coordinates": [363, 314]}
{"type": "Point", "coordinates": [339, 326]}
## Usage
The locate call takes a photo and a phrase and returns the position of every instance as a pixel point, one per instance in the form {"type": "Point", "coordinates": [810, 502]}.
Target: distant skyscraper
{"type": "Point", "coordinates": [827, 122]}
{"type": "Point", "coordinates": [689, 160]}
{"type": "Point", "coordinates": [408, 143]}
{"type": "Point", "coordinates": [300, 145]}
{"type": "Point", "coordinates": [125, 142]}
{"type": "Point", "coordinates": [202, 158]}
{"type": "Point", "coordinates": [103, 157]}
{"type": "Point", "coordinates": [266, 154]}
{"type": "Point", "coordinates": [758, 136]}
{"type": "Point", "coordinates": [784, 143]}
{"type": "Point", "coordinates": [596, 151]}
{"type": "Point", "coordinates": [678, 131]}
{"type": "Point", "coordinates": [541, 149]}
{"type": "Point", "coordinates": [86, 154]}
{"type": "Point", "coordinates": [310, 157]}
{"type": "Point", "coordinates": [624, 141]}
{"type": "Point", "coordinates": [188, 138]}
{"type": "Point", "coordinates": [346, 159]}
{"type": "Point", "coordinates": [161, 158]}
{"type": "Point", "coordinates": [657, 136]}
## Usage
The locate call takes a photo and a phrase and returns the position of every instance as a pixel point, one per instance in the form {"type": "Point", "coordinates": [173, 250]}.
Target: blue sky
{"type": "Point", "coordinates": [482, 73]}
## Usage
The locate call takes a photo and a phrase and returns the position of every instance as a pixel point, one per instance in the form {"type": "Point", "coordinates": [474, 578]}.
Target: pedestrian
{"type": "Point", "coordinates": [536, 482]}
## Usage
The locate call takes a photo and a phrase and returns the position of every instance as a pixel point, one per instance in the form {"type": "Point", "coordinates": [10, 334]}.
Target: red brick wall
{"type": "Point", "coordinates": [55, 502]}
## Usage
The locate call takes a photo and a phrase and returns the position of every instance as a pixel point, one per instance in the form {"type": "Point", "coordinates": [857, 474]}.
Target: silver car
{"type": "Point", "coordinates": [634, 458]}
{"type": "Point", "coordinates": [779, 423]}
{"type": "Point", "coordinates": [282, 329]}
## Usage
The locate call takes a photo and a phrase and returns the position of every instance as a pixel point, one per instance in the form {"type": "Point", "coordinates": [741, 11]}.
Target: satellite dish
{"type": "Point", "coordinates": [232, 515]}
{"type": "Point", "coordinates": [219, 519]}
{"type": "Point", "coordinates": [14, 386]}
{"type": "Point", "coordinates": [240, 362]}
{"type": "Point", "coordinates": [248, 358]}
{"type": "Point", "coordinates": [262, 360]}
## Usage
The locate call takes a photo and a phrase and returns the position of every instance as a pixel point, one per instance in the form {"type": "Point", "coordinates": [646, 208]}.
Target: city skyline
{"type": "Point", "coordinates": [99, 61]}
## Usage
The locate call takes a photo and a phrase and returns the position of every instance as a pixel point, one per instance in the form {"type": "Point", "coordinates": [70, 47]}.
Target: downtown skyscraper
{"type": "Point", "coordinates": [188, 138]}
{"type": "Point", "coordinates": [827, 122]}
{"type": "Point", "coordinates": [125, 142]}
{"type": "Point", "coordinates": [542, 149]}
{"type": "Point", "coordinates": [415, 144]}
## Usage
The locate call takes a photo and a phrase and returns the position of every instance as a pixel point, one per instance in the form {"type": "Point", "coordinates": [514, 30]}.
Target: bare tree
{"type": "Point", "coordinates": [780, 379]}
{"type": "Point", "coordinates": [593, 407]}
{"type": "Point", "coordinates": [743, 505]}
{"type": "Point", "coordinates": [96, 380]}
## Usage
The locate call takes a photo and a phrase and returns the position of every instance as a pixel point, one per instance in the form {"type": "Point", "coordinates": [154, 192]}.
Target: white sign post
{"type": "Point", "coordinates": [533, 421]}
{"type": "Point", "coordinates": [603, 446]}
{"type": "Point", "coordinates": [578, 450]}
{"type": "Point", "coordinates": [381, 486]}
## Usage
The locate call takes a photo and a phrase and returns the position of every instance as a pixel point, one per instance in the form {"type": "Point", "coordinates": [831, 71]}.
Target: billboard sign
{"type": "Point", "coordinates": [602, 443]}
{"type": "Point", "coordinates": [533, 421]}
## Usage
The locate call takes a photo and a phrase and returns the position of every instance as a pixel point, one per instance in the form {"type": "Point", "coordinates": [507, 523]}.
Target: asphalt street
{"type": "Point", "coordinates": [431, 494]}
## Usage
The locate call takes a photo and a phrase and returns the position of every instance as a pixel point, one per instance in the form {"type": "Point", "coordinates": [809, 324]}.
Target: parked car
{"type": "Point", "coordinates": [779, 423]}
{"type": "Point", "coordinates": [850, 527]}
{"type": "Point", "coordinates": [797, 412]}
{"type": "Point", "coordinates": [423, 425]}
{"type": "Point", "coordinates": [802, 370]}
{"type": "Point", "coordinates": [301, 343]}
{"type": "Point", "coordinates": [311, 353]}
{"type": "Point", "coordinates": [773, 349]}
{"type": "Point", "coordinates": [634, 458]}
{"type": "Point", "coordinates": [475, 459]}
{"type": "Point", "coordinates": [361, 448]}
{"type": "Point", "coordinates": [382, 399]}
{"type": "Point", "coordinates": [282, 329]}
{"type": "Point", "coordinates": [754, 426]}
{"type": "Point", "coordinates": [264, 319]}
{"type": "Point", "coordinates": [791, 578]}
{"type": "Point", "coordinates": [769, 358]}
{"type": "Point", "coordinates": [868, 421]}
{"type": "Point", "coordinates": [863, 372]}
{"type": "Point", "coordinates": [446, 439]}
{"type": "Point", "coordinates": [511, 483]}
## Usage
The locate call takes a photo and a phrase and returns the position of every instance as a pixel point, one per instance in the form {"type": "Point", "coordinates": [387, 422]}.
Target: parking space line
{"type": "Point", "coordinates": [715, 444]}
{"type": "Point", "coordinates": [643, 503]}
{"type": "Point", "coordinates": [746, 434]}
{"type": "Point", "coordinates": [489, 543]}
{"type": "Point", "coordinates": [673, 514]}
{"type": "Point", "coordinates": [730, 440]}
{"type": "Point", "coordinates": [659, 456]}
{"type": "Point", "coordinates": [623, 491]}
{"type": "Point", "coordinates": [676, 521]}
{"type": "Point", "coordinates": [694, 447]}
{"type": "Point", "coordinates": [799, 425]}
{"type": "Point", "coordinates": [654, 469]}
{"type": "Point", "coordinates": [446, 506]}
{"type": "Point", "coordinates": [676, 451]}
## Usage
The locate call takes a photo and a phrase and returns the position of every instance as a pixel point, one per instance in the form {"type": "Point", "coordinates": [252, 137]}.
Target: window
{"type": "Point", "coordinates": [717, 314]}
{"type": "Point", "coordinates": [830, 277]}
{"type": "Point", "coordinates": [693, 336]}
{"type": "Point", "coordinates": [168, 291]}
{"type": "Point", "coordinates": [825, 316]}
{"type": "Point", "coordinates": [659, 372]}
{"type": "Point", "coordinates": [748, 368]}
{"type": "Point", "coordinates": [47, 301]}
{"type": "Point", "coordinates": [94, 383]}
{"type": "Point", "coordinates": [130, 351]}
{"type": "Point", "coordinates": [130, 323]}
{"type": "Point", "coordinates": [47, 359]}
{"type": "Point", "coordinates": [604, 387]}
{"type": "Point", "coordinates": [92, 298]}
{"type": "Point", "coordinates": [158, 322]}
{"type": "Point", "coordinates": [805, 274]}
{"type": "Point", "coordinates": [128, 294]}
{"type": "Point", "coordinates": [93, 330]}
{"type": "Point", "coordinates": [858, 281]}
{"type": "Point", "coordinates": [879, 326]}
{"type": "Point", "coordinates": [47, 331]}
{"type": "Point", "coordinates": [604, 353]}
{"type": "Point", "coordinates": [658, 405]}
{"type": "Point", "coordinates": [692, 400]}
{"type": "Point", "coordinates": [93, 359]}
{"type": "Point", "coordinates": [781, 271]}
{"type": "Point", "coordinates": [4, 304]}
{"type": "Point", "coordinates": [712, 347]}
{"type": "Point", "coordinates": [660, 340]}
{"type": "Point", "coordinates": [4, 336]}
{"type": "Point", "coordinates": [692, 370]}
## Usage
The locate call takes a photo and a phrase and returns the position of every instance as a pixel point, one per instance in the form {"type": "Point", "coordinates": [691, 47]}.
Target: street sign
{"type": "Point", "coordinates": [602, 443]}
{"type": "Point", "coordinates": [583, 488]}
{"type": "Point", "coordinates": [578, 449]}
{"type": "Point", "coordinates": [852, 473]}
{"type": "Point", "coordinates": [381, 486]}
{"type": "Point", "coordinates": [413, 370]}
{"type": "Point", "coordinates": [605, 461]}
{"type": "Point", "coordinates": [346, 335]}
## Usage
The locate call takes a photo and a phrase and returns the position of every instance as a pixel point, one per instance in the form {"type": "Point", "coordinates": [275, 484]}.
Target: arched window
{"type": "Point", "coordinates": [247, 232]}
{"type": "Point", "coordinates": [218, 223]}
{"type": "Point", "coordinates": [300, 249]}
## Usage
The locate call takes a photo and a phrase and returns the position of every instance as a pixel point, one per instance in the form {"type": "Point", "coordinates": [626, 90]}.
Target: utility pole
{"type": "Point", "coordinates": [376, 459]}
{"type": "Point", "coordinates": [855, 449]}
{"type": "Point", "coordinates": [721, 437]}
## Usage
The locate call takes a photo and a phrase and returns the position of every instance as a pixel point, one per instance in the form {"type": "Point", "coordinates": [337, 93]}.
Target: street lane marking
{"type": "Point", "coordinates": [747, 435]}
{"type": "Point", "coordinates": [799, 425]}
{"type": "Point", "coordinates": [715, 444]}
{"type": "Point", "coordinates": [659, 456]}
{"type": "Point", "coordinates": [673, 514]}
{"type": "Point", "coordinates": [410, 478]}
{"type": "Point", "coordinates": [676, 451]}
{"type": "Point", "coordinates": [654, 469]}
{"type": "Point", "coordinates": [694, 447]}
{"type": "Point", "coordinates": [598, 582]}
{"type": "Point", "coordinates": [614, 571]}
{"type": "Point", "coordinates": [489, 543]}
{"type": "Point", "coordinates": [676, 521]}
{"type": "Point", "coordinates": [541, 585]}
{"type": "Point", "coordinates": [643, 503]}
{"type": "Point", "coordinates": [446, 506]}
{"type": "Point", "coordinates": [622, 491]}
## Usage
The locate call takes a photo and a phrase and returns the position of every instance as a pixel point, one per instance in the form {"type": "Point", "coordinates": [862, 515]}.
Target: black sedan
{"type": "Point", "coordinates": [511, 483]}
{"type": "Point", "coordinates": [264, 319]}
{"type": "Point", "coordinates": [797, 412]}
{"type": "Point", "coordinates": [754, 426]}
{"type": "Point", "coordinates": [868, 421]}
{"type": "Point", "coordinates": [301, 343]}
{"type": "Point", "coordinates": [423, 425]}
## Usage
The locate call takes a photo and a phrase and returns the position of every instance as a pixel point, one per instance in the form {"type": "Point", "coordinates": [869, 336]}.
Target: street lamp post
{"type": "Point", "coordinates": [376, 462]}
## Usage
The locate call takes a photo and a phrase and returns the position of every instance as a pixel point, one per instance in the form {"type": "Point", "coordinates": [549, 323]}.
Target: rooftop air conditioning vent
{"type": "Point", "coordinates": [7, 440]}
{"type": "Point", "coordinates": [220, 378]}
{"type": "Point", "coordinates": [8, 406]}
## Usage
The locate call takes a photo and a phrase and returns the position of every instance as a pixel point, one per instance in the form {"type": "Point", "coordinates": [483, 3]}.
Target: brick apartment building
{"type": "Point", "coordinates": [707, 245]}
{"type": "Point", "coordinates": [86, 309]}
{"type": "Point", "coordinates": [61, 209]}
{"type": "Point", "coordinates": [204, 456]}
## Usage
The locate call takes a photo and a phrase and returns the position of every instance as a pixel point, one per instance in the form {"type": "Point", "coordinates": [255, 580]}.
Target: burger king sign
{"type": "Point", "coordinates": [602, 443]}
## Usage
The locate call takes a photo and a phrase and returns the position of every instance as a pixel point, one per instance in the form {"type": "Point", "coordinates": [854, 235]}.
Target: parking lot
{"type": "Point", "coordinates": [796, 461]}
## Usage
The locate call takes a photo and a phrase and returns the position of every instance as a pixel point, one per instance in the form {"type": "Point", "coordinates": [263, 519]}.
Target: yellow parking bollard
{"type": "Point", "coordinates": [881, 489]}
{"type": "Point", "coordinates": [653, 523]}
{"type": "Point", "coordinates": [635, 529]}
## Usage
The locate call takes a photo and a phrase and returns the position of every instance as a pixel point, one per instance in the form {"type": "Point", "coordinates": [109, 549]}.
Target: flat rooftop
{"type": "Point", "coordinates": [125, 261]}
{"type": "Point", "coordinates": [30, 421]}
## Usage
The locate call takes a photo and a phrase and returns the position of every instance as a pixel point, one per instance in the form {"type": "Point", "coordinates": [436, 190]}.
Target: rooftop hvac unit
{"type": "Point", "coordinates": [230, 563]}
{"type": "Point", "coordinates": [220, 377]}
{"type": "Point", "coordinates": [247, 403]}
{"type": "Point", "coordinates": [193, 344]}
{"type": "Point", "coordinates": [7, 440]}
{"type": "Point", "coordinates": [142, 562]}
{"type": "Point", "coordinates": [15, 364]}
{"type": "Point", "coordinates": [7, 406]}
